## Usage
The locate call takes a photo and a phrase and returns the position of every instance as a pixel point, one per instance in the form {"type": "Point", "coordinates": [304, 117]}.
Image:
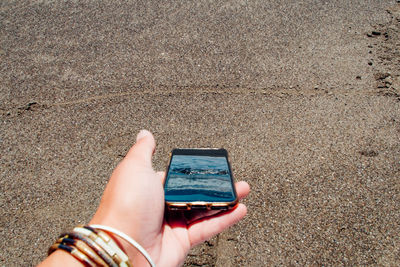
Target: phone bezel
{"type": "Point", "coordinates": [201, 205]}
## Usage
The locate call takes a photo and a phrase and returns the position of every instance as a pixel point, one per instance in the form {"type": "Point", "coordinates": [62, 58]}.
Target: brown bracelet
{"type": "Point", "coordinates": [74, 252]}
{"type": "Point", "coordinates": [82, 246]}
{"type": "Point", "coordinates": [119, 256]}
{"type": "Point", "coordinates": [100, 241]}
{"type": "Point", "coordinates": [93, 245]}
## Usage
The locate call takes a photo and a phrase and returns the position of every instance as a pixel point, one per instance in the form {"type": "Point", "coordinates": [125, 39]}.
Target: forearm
{"type": "Point", "coordinates": [60, 256]}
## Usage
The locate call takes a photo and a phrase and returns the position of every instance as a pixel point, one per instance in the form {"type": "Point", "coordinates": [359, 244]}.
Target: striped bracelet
{"type": "Point", "coordinates": [93, 246]}
{"type": "Point", "coordinates": [106, 243]}
{"type": "Point", "coordinates": [82, 246]}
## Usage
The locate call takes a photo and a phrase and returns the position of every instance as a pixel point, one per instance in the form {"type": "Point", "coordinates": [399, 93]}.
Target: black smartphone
{"type": "Point", "coordinates": [199, 178]}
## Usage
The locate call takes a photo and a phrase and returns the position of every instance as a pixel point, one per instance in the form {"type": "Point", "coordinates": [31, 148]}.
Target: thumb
{"type": "Point", "coordinates": [142, 151]}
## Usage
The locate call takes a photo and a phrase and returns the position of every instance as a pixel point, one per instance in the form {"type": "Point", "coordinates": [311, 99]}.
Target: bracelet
{"type": "Point", "coordinates": [93, 245]}
{"type": "Point", "coordinates": [74, 252]}
{"type": "Point", "coordinates": [82, 246]}
{"type": "Point", "coordinates": [97, 240]}
{"type": "Point", "coordinates": [109, 241]}
{"type": "Point", "coordinates": [126, 238]}
{"type": "Point", "coordinates": [101, 238]}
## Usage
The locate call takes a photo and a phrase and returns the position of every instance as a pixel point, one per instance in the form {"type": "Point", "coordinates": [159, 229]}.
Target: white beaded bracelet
{"type": "Point", "coordinates": [127, 238]}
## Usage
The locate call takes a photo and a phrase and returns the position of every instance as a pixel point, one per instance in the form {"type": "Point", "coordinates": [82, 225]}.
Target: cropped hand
{"type": "Point", "coordinates": [133, 202]}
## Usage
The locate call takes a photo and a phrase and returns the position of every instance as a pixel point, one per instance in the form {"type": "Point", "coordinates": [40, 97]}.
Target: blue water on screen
{"type": "Point", "coordinates": [199, 178]}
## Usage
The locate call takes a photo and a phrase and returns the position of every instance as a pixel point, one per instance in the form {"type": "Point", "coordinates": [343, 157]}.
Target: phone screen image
{"type": "Point", "coordinates": [205, 178]}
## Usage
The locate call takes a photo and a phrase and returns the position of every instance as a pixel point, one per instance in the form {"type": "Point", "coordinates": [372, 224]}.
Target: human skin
{"type": "Point", "coordinates": [133, 202]}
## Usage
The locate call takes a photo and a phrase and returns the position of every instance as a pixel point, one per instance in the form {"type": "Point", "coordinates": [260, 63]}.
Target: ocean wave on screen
{"type": "Point", "coordinates": [190, 171]}
{"type": "Point", "coordinates": [201, 183]}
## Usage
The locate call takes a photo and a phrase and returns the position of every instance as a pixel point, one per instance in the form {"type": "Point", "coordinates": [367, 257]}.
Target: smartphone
{"type": "Point", "coordinates": [199, 178]}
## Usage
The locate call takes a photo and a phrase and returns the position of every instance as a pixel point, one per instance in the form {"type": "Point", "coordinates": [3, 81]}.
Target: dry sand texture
{"type": "Point", "coordinates": [304, 94]}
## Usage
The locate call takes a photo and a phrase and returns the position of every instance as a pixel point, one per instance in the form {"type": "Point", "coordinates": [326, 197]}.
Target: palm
{"type": "Point", "coordinates": [174, 246]}
{"type": "Point", "coordinates": [183, 230]}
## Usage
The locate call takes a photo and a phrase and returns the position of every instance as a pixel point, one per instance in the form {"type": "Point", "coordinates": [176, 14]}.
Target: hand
{"type": "Point", "coordinates": [133, 202]}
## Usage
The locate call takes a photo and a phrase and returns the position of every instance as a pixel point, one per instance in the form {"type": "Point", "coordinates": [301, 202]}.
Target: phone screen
{"type": "Point", "coordinates": [199, 175]}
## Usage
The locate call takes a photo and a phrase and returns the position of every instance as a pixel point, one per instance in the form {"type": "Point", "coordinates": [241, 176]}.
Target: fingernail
{"type": "Point", "coordinates": [142, 134]}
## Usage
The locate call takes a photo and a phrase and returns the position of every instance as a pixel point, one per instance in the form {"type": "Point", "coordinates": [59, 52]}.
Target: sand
{"type": "Point", "coordinates": [305, 96]}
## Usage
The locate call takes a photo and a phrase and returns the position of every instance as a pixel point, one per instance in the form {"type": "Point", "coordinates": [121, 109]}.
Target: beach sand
{"type": "Point", "coordinates": [305, 97]}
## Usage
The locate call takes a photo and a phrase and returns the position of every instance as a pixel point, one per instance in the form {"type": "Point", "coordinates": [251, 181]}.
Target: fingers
{"type": "Point", "coordinates": [193, 215]}
{"type": "Point", "coordinates": [206, 228]}
{"type": "Point", "coordinates": [203, 228]}
{"type": "Point", "coordinates": [242, 189]}
{"type": "Point", "coordinates": [144, 148]}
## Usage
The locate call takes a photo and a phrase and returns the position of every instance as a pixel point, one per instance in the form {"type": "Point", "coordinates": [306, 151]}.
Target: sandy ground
{"type": "Point", "coordinates": [304, 95]}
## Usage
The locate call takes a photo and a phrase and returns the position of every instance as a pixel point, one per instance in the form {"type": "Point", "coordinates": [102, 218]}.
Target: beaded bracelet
{"type": "Point", "coordinates": [74, 252]}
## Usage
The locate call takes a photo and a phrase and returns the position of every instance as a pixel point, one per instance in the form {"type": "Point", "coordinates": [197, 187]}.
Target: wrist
{"type": "Point", "coordinates": [128, 249]}
{"type": "Point", "coordinates": [137, 255]}
{"type": "Point", "coordinates": [98, 245]}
